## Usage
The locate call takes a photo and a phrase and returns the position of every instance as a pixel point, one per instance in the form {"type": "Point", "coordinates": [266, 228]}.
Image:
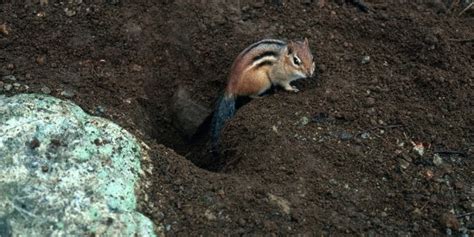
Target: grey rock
{"type": "Point", "coordinates": [7, 87]}
{"type": "Point", "coordinates": [100, 110]}
{"type": "Point", "coordinates": [345, 136]}
{"type": "Point", "coordinates": [404, 164]}
{"type": "Point", "coordinates": [46, 90]}
{"type": "Point", "coordinates": [56, 180]}
{"type": "Point", "coordinates": [9, 78]}
{"type": "Point", "coordinates": [68, 93]}
{"type": "Point", "coordinates": [322, 118]}
{"type": "Point", "coordinates": [365, 59]}
{"type": "Point", "coordinates": [188, 114]}
{"type": "Point", "coordinates": [304, 121]}
{"type": "Point", "coordinates": [70, 12]}
{"type": "Point", "coordinates": [365, 135]}
{"type": "Point", "coordinates": [437, 160]}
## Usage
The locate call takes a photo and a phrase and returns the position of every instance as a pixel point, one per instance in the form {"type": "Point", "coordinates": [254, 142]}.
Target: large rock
{"type": "Point", "coordinates": [63, 172]}
{"type": "Point", "coordinates": [188, 115]}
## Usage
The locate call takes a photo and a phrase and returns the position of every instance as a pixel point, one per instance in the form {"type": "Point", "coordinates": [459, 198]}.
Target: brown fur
{"type": "Point", "coordinates": [245, 80]}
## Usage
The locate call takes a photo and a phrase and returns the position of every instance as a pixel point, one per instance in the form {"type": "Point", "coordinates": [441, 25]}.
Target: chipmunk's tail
{"type": "Point", "coordinates": [225, 110]}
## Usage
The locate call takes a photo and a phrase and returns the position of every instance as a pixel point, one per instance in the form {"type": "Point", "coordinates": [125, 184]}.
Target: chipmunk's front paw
{"type": "Point", "coordinates": [292, 89]}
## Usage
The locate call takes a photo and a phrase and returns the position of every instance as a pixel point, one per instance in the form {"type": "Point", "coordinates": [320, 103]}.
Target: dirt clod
{"type": "Point", "coordinates": [449, 220]}
{"type": "Point", "coordinates": [4, 29]}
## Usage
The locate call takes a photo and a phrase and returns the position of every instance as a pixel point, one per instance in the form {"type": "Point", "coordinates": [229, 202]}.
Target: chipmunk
{"type": "Point", "coordinates": [256, 69]}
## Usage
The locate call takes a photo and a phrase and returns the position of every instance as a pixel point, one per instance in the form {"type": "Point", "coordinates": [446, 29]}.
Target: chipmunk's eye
{"type": "Point", "coordinates": [296, 60]}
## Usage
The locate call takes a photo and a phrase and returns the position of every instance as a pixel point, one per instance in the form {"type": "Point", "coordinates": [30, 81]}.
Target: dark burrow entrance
{"type": "Point", "coordinates": [181, 121]}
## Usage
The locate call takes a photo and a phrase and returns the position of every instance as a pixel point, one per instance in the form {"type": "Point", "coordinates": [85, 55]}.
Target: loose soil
{"type": "Point", "coordinates": [335, 159]}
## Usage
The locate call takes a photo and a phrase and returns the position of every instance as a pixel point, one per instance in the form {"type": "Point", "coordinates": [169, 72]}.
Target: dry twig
{"type": "Point", "coordinates": [467, 8]}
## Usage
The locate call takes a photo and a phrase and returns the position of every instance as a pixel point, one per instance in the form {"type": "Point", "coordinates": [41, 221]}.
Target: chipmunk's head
{"type": "Point", "coordinates": [300, 59]}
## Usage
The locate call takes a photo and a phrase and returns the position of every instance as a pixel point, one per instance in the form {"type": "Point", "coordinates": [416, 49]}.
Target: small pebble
{"type": "Point", "coordinates": [370, 101]}
{"type": "Point", "coordinates": [41, 59]}
{"type": "Point", "coordinates": [365, 135]}
{"type": "Point", "coordinates": [9, 78]}
{"type": "Point", "coordinates": [322, 68]}
{"type": "Point", "coordinates": [365, 59]}
{"type": "Point", "coordinates": [416, 227]}
{"type": "Point", "coordinates": [100, 110]}
{"type": "Point", "coordinates": [417, 212]}
{"type": "Point", "coordinates": [69, 12]}
{"type": "Point", "coordinates": [320, 117]}
{"type": "Point", "coordinates": [4, 29]}
{"type": "Point", "coordinates": [437, 160]}
{"type": "Point", "coordinates": [209, 215]}
{"type": "Point", "coordinates": [68, 93]}
{"type": "Point", "coordinates": [41, 14]}
{"type": "Point", "coordinates": [45, 90]}
{"type": "Point", "coordinates": [7, 87]}
{"type": "Point", "coordinates": [304, 121]}
{"type": "Point", "coordinates": [16, 85]}
{"type": "Point", "coordinates": [429, 174]}
{"type": "Point", "coordinates": [242, 222]}
{"type": "Point", "coordinates": [404, 164]}
{"type": "Point", "coordinates": [10, 66]}
{"type": "Point", "coordinates": [136, 68]}
{"type": "Point", "coordinates": [345, 136]}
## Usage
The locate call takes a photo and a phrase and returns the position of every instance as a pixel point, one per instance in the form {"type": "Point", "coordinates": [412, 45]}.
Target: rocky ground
{"type": "Point", "coordinates": [380, 142]}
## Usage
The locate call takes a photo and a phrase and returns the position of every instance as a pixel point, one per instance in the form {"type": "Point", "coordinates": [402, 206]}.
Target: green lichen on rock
{"type": "Point", "coordinates": [64, 172]}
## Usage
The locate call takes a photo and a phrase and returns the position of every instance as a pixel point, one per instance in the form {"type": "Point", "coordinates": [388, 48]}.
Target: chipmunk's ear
{"type": "Point", "coordinates": [306, 43]}
{"type": "Point", "coordinates": [290, 47]}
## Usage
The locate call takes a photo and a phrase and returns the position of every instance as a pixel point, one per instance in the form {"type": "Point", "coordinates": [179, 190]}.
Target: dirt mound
{"type": "Point", "coordinates": [337, 158]}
